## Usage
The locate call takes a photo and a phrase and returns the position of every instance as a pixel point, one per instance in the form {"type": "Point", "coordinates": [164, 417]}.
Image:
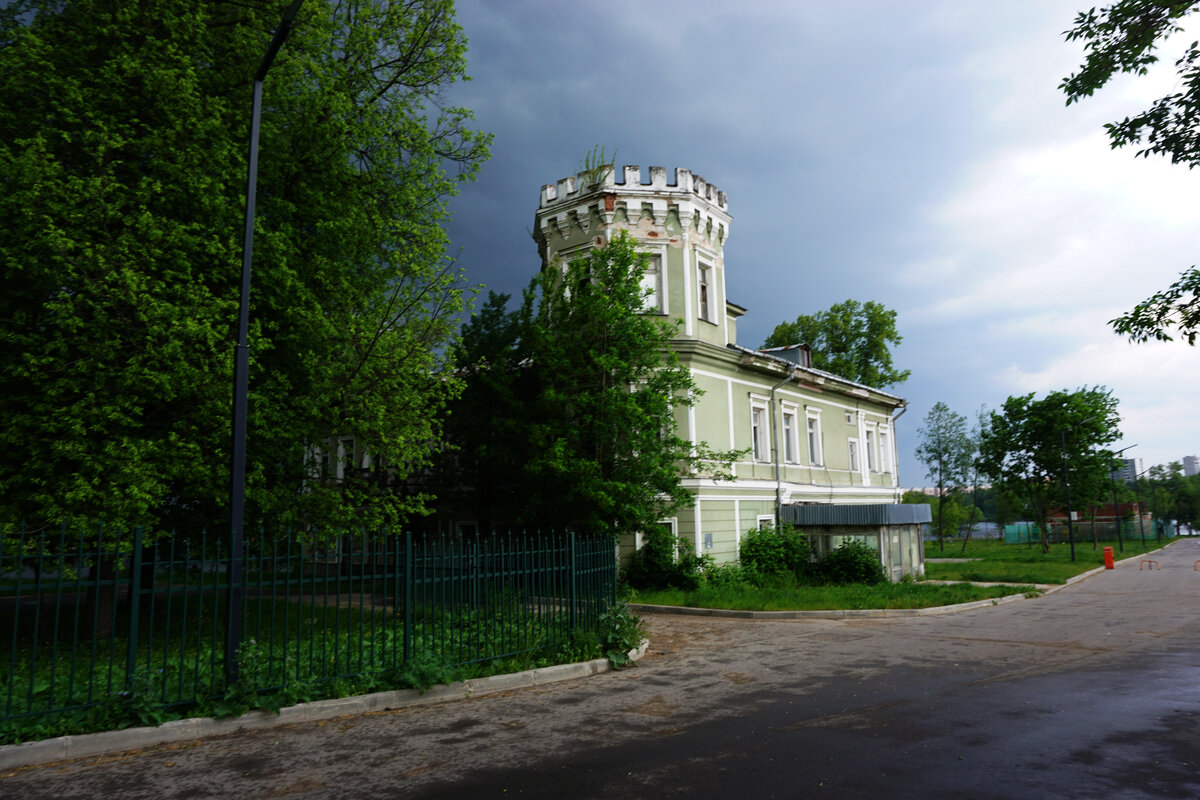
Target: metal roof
{"type": "Point", "coordinates": [900, 401]}
{"type": "Point", "coordinates": [867, 514]}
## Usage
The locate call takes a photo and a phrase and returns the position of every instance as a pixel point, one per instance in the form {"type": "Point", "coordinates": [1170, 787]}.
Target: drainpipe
{"type": "Point", "coordinates": [896, 450]}
{"type": "Point", "coordinates": [775, 445]}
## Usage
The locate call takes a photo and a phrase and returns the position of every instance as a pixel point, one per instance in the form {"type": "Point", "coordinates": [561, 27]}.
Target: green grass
{"type": "Point", "coordinates": [1000, 562]}
{"type": "Point", "coordinates": [788, 596]}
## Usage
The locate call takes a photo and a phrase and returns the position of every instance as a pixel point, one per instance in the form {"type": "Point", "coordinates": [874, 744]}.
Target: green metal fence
{"type": "Point", "coordinates": [89, 616]}
{"type": "Point", "coordinates": [1084, 530]}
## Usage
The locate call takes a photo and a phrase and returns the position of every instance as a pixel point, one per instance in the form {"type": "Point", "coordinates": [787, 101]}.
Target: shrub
{"type": "Point", "coordinates": [730, 576]}
{"type": "Point", "coordinates": [851, 561]}
{"type": "Point", "coordinates": [773, 551]}
{"type": "Point", "coordinates": [656, 566]}
{"type": "Point", "coordinates": [620, 632]}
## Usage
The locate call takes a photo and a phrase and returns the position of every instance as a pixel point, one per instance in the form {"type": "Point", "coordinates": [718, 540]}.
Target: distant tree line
{"type": "Point", "coordinates": [1020, 462]}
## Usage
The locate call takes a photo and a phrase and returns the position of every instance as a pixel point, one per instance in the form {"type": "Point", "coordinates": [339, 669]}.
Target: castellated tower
{"type": "Point", "coordinates": [803, 437]}
{"type": "Point", "coordinates": [681, 224]}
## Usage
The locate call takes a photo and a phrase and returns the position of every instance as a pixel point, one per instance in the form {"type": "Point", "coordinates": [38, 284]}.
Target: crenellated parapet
{"type": "Point", "coordinates": [656, 202]}
{"type": "Point", "coordinates": [576, 187]}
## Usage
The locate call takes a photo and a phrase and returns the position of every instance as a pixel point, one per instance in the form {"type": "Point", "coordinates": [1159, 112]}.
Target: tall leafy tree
{"type": "Point", "coordinates": [1124, 38]}
{"type": "Point", "coordinates": [480, 468]}
{"type": "Point", "coordinates": [850, 339]}
{"type": "Point", "coordinates": [582, 427]}
{"type": "Point", "coordinates": [1170, 494]}
{"type": "Point", "coordinates": [123, 130]}
{"type": "Point", "coordinates": [947, 451]}
{"type": "Point", "coordinates": [1026, 442]}
{"type": "Point", "coordinates": [973, 473]}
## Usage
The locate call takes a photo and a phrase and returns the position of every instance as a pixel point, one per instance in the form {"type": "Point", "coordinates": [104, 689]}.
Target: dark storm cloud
{"type": "Point", "coordinates": [862, 146]}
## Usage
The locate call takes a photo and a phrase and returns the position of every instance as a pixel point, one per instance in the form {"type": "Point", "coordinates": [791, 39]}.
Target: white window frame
{"type": "Point", "coordinates": [812, 428]}
{"type": "Point", "coordinates": [672, 523]}
{"type": "Point", "coordinates": [760, 430]}
{"type": "Point", "coordinates": [654, 279]}
{"type": "Point", "coordinates": [885, 449]}
{"type": "Point", "coordinates": [764, 521]}
{"type": "Point", "coordinates": [872, 442]}
{"type": "Point", "coordinates": [852, 454]}
{"type": "Point", "coordinates": [790, 433]}
{"type": "Point", "coordinates": [706, 302]}
{"type": "Point", "coordinates": [345, 456]}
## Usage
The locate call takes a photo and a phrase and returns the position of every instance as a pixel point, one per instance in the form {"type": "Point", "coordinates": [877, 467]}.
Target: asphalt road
{"type": "Point", "coordinates": [1090, 692]}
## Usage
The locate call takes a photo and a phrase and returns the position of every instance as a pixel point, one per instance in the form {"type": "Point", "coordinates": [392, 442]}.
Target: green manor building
{"type": "Point", "coordinates": [814, 441]}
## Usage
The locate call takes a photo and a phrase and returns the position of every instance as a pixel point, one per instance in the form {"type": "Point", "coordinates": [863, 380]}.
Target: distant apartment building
{"type": "Point", "coordinates": [1191, 465]}
{"type": "Point", "coordinates": [1129, 470]}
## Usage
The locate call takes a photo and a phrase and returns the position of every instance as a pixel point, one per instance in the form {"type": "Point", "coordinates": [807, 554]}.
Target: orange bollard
{"type": "Point", "coordinates": [1108, 558]}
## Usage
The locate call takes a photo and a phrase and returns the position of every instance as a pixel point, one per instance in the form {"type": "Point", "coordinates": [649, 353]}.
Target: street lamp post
{"type": "Point", "coordinates": [1067, 490]}
{"type": "Point", "coordinates": [1137, 497]}
{"type": "Point", "coordinates": [241, 369]}
{"type": "Point", "coordinates": [1112, 474]}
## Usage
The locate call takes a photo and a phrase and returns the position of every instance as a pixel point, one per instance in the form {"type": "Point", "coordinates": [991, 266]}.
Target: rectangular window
{"type": "Point", "coordinates": [705, 272]}
{"type": "Point", "coordinates": [813, 419]}
{"type": "Point", "coordinates": [885, 452]}
{"type": "Point", "coordinates": [344, 466]}
{"type": "Point", "coordinates": [758, 432]}
{"type": "Point", "coordinates": [872, 457]}
{"type": "Point", "coordinates": [652, 285]}
{"type": "Point", "coordinates": [790, 449]}
{"type": "Point", "coordinates": [853, 455]}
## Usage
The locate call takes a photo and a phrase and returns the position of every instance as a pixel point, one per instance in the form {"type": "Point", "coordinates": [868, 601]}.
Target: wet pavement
{"type": "Point", "coordinates": [1090, 692]}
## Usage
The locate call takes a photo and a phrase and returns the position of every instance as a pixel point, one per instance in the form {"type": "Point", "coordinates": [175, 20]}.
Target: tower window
{"type": "Point", "coordinates": [652, 285]}
{"type": "Point", "coordinates": [706, 304]}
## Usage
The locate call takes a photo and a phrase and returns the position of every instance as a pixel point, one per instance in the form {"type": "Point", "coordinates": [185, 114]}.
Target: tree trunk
{"type": "Point", "coordinates": [941, 541]}
{"type": "Point", "coordinates": [974, 508]}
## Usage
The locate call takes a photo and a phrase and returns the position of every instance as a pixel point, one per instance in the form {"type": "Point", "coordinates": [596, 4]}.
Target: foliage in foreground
{"type": "Point", "coordinates": [123, 162]}
{"type": "Point", "coordinates": [1123, 38]}
{"type": "Point", "coordinates": [570, 412]}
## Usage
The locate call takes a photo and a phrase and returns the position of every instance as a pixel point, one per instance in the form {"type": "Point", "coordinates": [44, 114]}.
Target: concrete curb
{"type": "Point", "coordinates": [65, 748]}
{"type": "Point", "coordinates": [849, 613]}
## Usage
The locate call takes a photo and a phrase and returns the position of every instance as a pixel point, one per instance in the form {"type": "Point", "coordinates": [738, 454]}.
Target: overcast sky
{"type": "Point", "coordinates": [918, 154]}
